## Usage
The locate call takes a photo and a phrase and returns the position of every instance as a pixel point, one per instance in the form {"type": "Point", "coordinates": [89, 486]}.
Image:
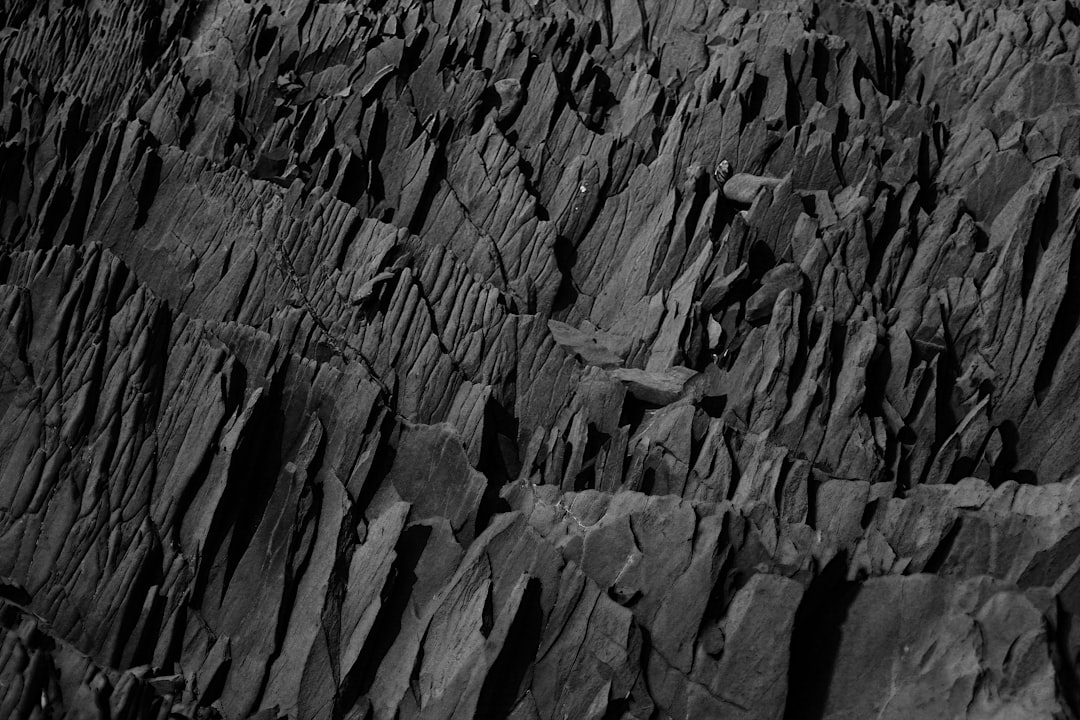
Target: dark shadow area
{"type": "Point", "coordinates": [1066, 321]}
{"type": "Point", "coordinates": [565, 258]}
{"type": "Point", "coordinates": [508, 677]}
{"type": "Point", "coordinates": [356, 681]}
{"type": "Point", "coordinates": [499, 461]}
{"type": "Point", "coordinates": [815, 639]}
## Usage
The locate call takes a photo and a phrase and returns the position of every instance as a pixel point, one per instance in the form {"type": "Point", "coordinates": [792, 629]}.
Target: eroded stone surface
{"type": "Point", "coordinates": [404, 360]}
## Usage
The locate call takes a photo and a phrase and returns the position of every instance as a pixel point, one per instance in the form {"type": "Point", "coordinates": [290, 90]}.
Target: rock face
{"type": "Point", "coordinates": [404, 360]}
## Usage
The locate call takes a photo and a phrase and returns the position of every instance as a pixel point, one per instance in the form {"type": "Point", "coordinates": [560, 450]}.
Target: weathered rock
{"type": "Point", "coordinates": [403, 360]}
{"type": "Point", "coordinates": [659, 387]}
{"type": "Point", "coordinates": [510, 94]}
{"type": "Point", "coordinates": [782, 277]}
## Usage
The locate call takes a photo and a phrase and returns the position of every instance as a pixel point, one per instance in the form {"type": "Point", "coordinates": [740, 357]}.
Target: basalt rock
{"type": "Point", "coordinates": [539, 360]}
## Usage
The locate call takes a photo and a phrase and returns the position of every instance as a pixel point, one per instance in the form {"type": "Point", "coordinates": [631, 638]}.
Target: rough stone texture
{"type": "Point", "coordinates": [404, 360]}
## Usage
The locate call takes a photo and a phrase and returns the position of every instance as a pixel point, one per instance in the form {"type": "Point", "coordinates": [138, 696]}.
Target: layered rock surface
{"type": "Point", "coordinates": [405, 360]}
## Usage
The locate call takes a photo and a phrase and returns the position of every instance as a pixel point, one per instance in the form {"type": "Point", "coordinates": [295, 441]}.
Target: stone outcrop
{"type": "Point", "coordinates": [405, 359]}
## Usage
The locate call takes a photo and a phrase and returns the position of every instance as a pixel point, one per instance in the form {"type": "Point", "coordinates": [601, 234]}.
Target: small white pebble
{"type": "Point", "coordinates": [582, 189]}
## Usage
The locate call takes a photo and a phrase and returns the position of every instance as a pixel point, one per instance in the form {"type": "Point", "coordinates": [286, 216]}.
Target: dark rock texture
{"type": "Point", "coordinates": [404, 359]}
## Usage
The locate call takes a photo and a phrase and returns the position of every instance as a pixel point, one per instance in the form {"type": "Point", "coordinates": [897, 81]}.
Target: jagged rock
{"type": "Point", "coordinates": [594, 348]}
{"type": "Point", "coordinates": [404, 360]}
{"type": "Point", "coordinates": [743, 187]}
{"type": "Point", "coordinates": [720, 288]}
{"type": "Point", "coordinates": [659, 387]}
{"type": "Point", "coordinates": [510, 94]}
{"type": "Point", "coordinates": [923, 647]}
{"type": "Point", "coordinates": [759, 306]}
